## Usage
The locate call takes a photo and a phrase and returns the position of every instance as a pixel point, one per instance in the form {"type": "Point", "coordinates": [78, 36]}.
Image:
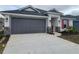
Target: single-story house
{"type": "Point", "coordinates": [33, 20]}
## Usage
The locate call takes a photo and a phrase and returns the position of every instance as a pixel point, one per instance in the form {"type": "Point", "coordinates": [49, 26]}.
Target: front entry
{"type": "Point", "coordinates": [53, 24]}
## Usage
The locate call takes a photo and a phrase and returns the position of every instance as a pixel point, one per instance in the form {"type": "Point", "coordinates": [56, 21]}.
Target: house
{"type": "Point", "coordinates": [34, 20]}
{"type": "Point", "coordinates": [25, 20]}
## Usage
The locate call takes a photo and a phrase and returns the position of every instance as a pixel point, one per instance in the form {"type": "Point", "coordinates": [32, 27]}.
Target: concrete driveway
{"type": "Point", "coordinates": [39, 43]}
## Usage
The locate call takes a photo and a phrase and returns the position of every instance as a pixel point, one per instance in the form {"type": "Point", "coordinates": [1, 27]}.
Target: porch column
{"type": "Point", "coordinates": [49, 24]}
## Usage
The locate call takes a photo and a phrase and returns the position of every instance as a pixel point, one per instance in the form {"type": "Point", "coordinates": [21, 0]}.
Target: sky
{"type": "Point", "coordinates": [66, 9]}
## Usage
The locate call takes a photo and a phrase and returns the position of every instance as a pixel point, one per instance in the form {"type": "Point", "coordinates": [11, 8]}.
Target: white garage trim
{"type": "Point", "coordinates": [25, 15]}
{"type": "Point", "coordinates": [19, 16]}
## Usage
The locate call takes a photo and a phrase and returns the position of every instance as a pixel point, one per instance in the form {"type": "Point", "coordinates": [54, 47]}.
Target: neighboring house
{"type": "Point", "coordinates": [34, 20]}
{"type": "Point", "coordinates": [67, 21]}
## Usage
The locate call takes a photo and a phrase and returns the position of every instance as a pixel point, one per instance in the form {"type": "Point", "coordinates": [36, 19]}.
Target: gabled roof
{"type": "Point", "coordinates": [25, 11]}
{"type": "Point", "coordinates": [54, 10]}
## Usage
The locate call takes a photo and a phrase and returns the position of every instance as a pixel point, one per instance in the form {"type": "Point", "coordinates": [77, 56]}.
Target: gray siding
{"type": "Point", "coordinates": [76, 25]}
{"type": "Point", "coordinates": [27, 25]}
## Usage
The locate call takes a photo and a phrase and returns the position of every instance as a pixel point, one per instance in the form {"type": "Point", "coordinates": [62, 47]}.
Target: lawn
{"type": "Point", "coordinates": [71, 37]}
{"type": "Point", "coordinates": [3, 41]}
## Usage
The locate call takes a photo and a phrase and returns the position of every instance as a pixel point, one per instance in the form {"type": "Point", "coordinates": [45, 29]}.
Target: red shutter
{"type": "Point", "coordinates": [67, 23]}
{"type": "Point", "coordinates": [62, 24]}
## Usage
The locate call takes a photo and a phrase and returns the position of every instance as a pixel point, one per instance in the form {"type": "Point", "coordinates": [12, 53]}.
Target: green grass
{"type": "Point", "coordinates": [72, 38]}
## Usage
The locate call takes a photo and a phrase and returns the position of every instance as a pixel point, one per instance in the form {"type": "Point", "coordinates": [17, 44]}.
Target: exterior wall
{"type": "Point", "coordinates": [59, 23]}
{"type": "Point", "coordinates": [49, 20]}
{"type": "Point", "coordinates": [7, 21]}
{"type": "Point", "coordinates": [71, 23]}
{"type": "Point", "coordinates": [76, 25]}
{"type": "Point", "coordinates": [7, 25]}
{"type": "Point", "coordinates": [61, 26]}
{"type": "Point", "coordinates": [49, 23]}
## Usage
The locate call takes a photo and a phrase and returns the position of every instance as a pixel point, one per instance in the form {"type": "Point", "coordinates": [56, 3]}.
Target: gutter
{"type": "Point", "coordinates": [25, 15]}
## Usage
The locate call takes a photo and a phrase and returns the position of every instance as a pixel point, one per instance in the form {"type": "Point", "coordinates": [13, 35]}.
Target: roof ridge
{"type": "Point", "coordinates": [54, 10]}
{"type": "Point", "coordinates": [30, 6]}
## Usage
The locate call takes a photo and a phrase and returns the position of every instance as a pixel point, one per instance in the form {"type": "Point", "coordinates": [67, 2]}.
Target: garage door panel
{"type": "Point", "coordinates": [27, 25]}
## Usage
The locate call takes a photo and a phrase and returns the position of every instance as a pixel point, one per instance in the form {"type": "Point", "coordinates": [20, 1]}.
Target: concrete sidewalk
{"type": "Point", "coordinates": [39, 43]}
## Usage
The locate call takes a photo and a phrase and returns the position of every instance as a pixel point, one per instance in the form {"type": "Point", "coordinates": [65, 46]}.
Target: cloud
{"type": "Point", "coordinates": [9, 7]}
{"type": "Point", "coordinates": [66, 9]}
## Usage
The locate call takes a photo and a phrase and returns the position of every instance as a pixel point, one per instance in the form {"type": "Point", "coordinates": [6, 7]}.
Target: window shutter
{"type": "Point", "coordinates": [67, 23]}
{"type": "Point", "coordinates": [62, 24]}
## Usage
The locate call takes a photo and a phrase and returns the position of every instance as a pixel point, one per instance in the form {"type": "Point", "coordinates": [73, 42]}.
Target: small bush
{"type": "Point", "coordinates": [72, 30]}
{"type": "Point", "coordinates": [1, 34]}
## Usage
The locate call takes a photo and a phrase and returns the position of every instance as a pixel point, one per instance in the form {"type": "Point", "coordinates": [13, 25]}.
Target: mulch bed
{"type": "Point", "coordinates": [3, 43]}
{"type": "Point", "coordinates": [73, 37]}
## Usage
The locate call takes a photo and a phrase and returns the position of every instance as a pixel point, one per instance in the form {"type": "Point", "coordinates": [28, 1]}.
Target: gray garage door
{"type": "Point", "coordinates": [21, 25]}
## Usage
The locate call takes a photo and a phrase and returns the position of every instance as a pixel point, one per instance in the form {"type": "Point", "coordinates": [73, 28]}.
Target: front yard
{"type": "Point", "coordinates": [71, 37]}
{"type": "Point", "coordinates": [71, 34]}
{"type": "Point", "coordinates": [3, 41]}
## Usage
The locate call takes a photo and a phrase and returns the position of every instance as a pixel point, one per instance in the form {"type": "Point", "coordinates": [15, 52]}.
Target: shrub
{"type": "Point", "coordinates": [72, 30]}
{"type": "Point", "coordinates": [1, 34]}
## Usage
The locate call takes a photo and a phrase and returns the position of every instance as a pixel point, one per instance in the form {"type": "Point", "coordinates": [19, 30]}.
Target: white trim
{"type": "Point", "coordinates": [54, 13]}
{"type": "Point", "coordinates": [25, 15]}
{"type": "Point", "coordinates": [10, 24]}
{"type": "Point", "coordinates": [6, 21]}
{"type": "Point", "coordinates": [1, 16]}
{"type": "Point", "coordinates": [46, 24]}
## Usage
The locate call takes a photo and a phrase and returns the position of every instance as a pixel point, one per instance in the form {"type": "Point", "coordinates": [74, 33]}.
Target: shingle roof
{"type": "Point", "coordinates": [23, 11]}
{"type": "Point", "coordinates": [68, 16]}
{"type": "Point", "coordinates": [54, 10]}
